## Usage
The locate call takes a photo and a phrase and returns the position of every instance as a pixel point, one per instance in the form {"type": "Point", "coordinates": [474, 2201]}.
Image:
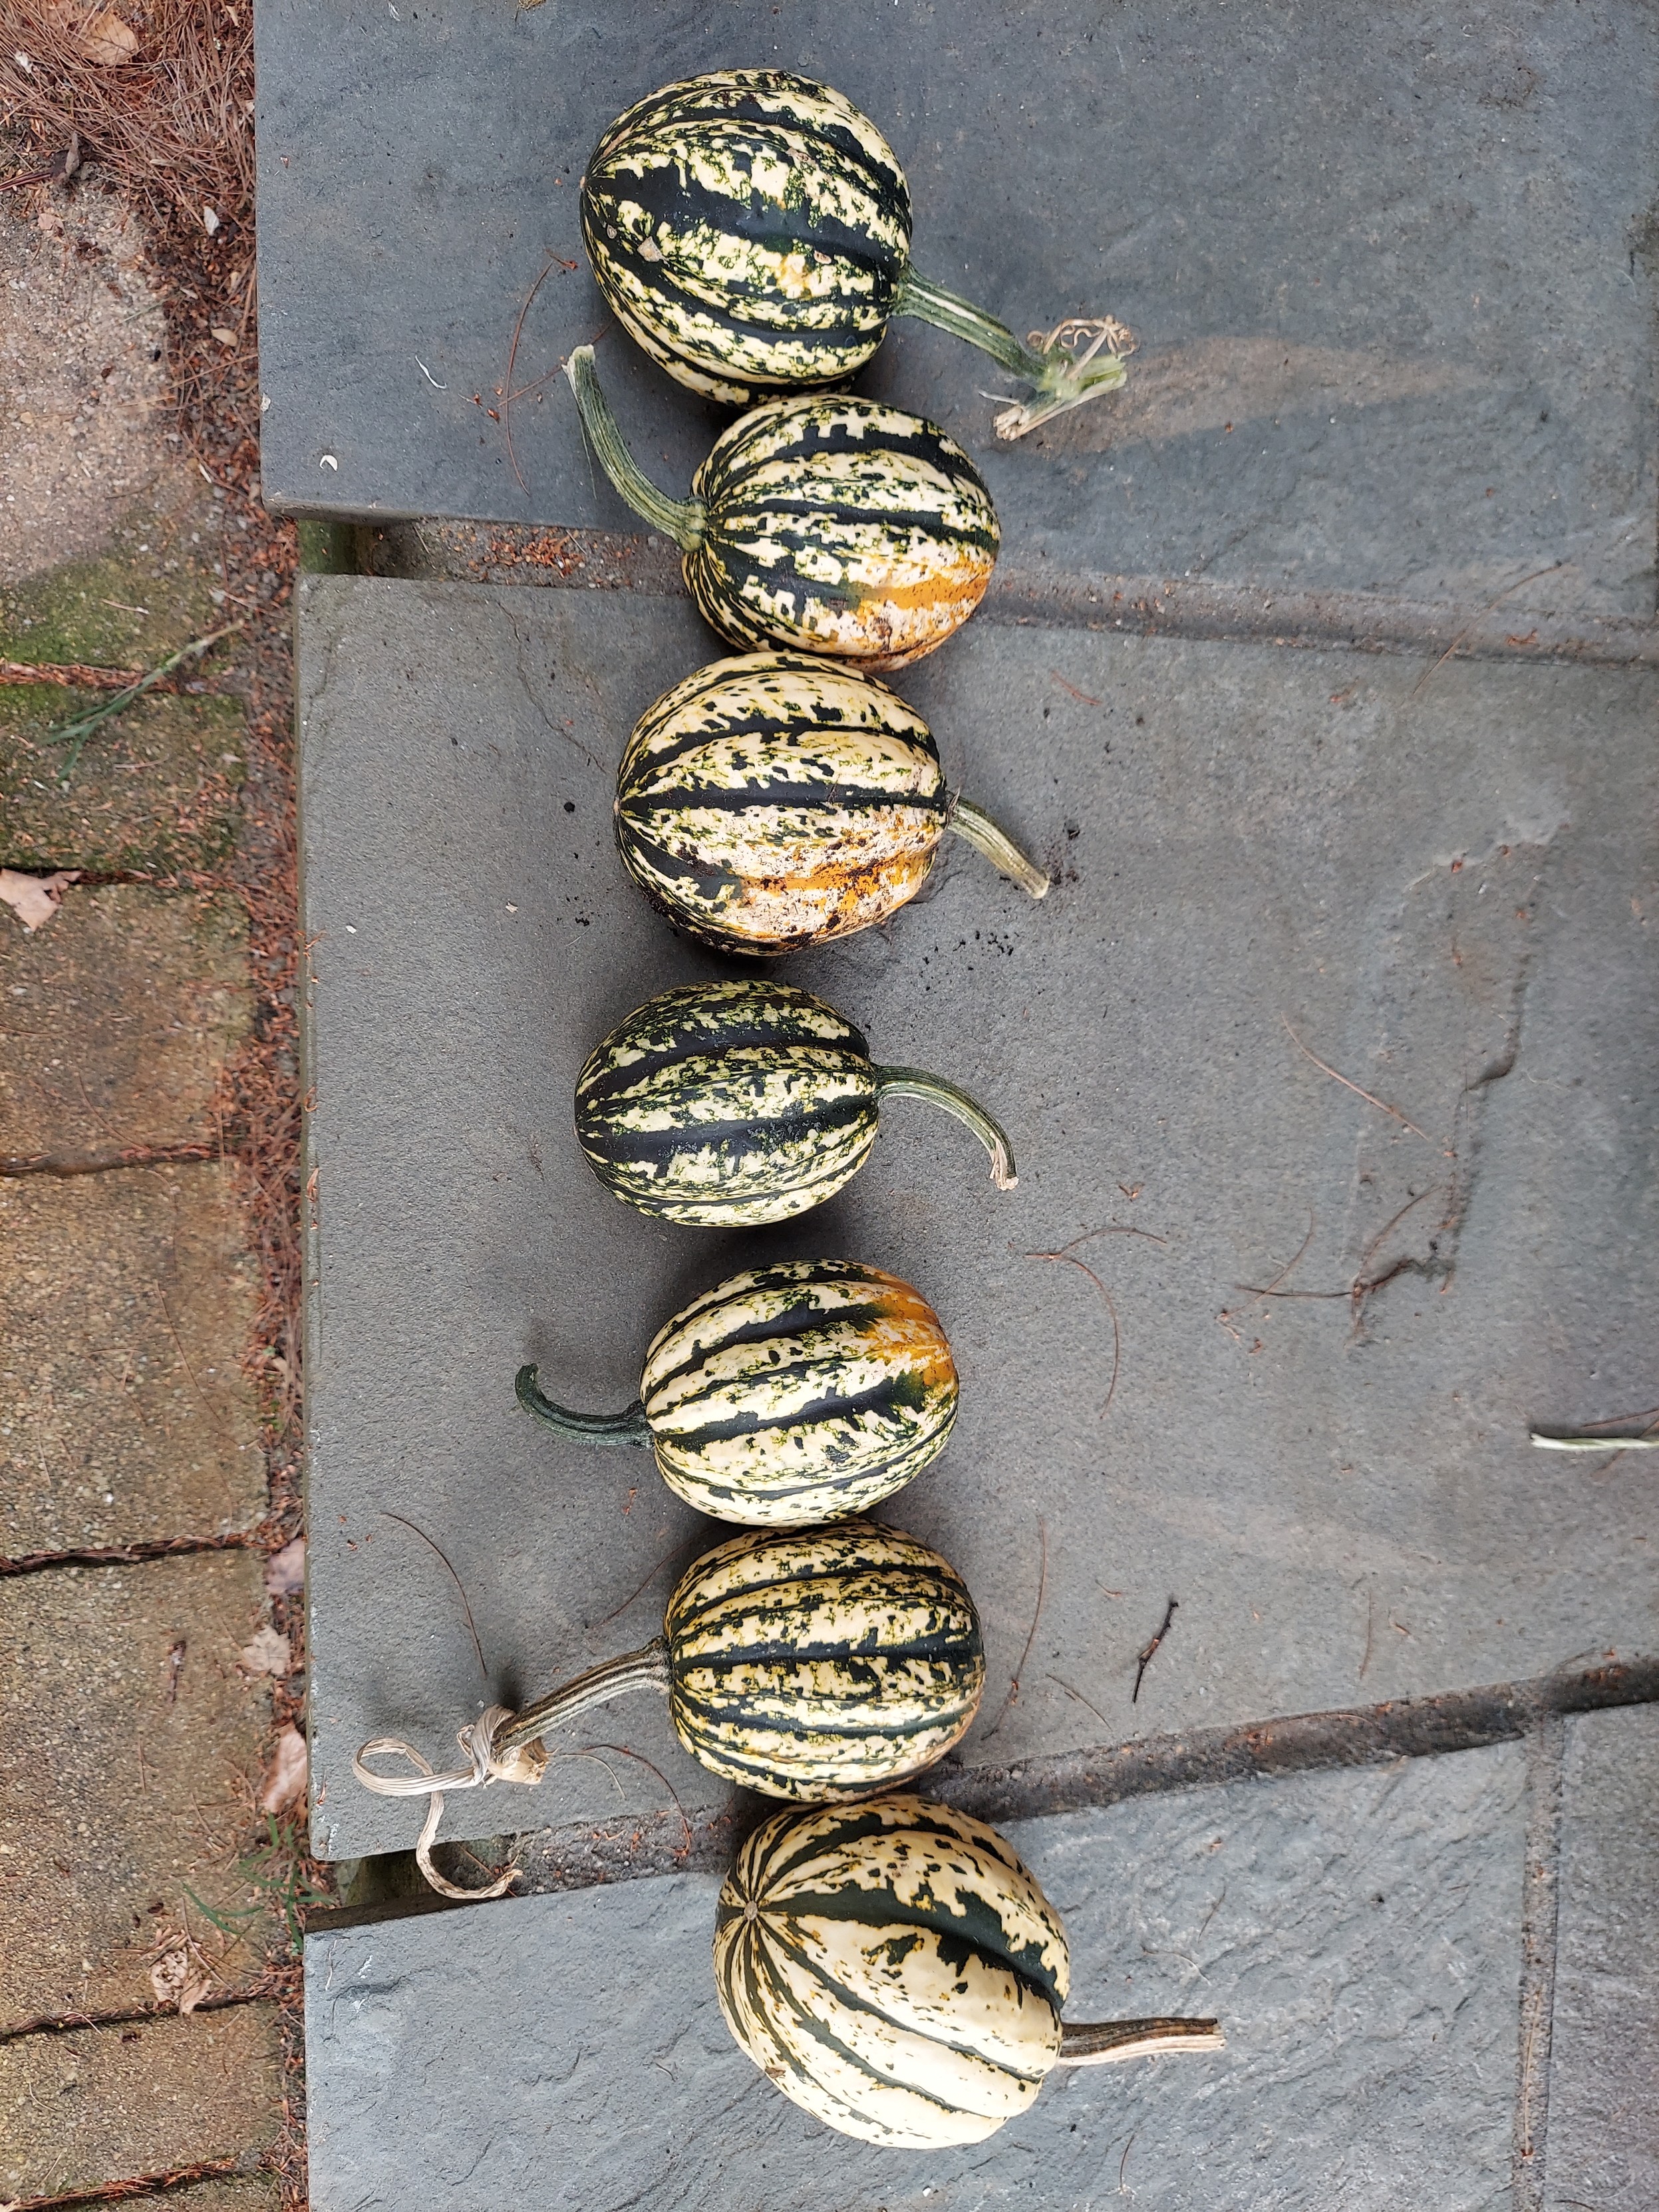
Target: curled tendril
{"type": "Point", "coordinates": [1084, 336]}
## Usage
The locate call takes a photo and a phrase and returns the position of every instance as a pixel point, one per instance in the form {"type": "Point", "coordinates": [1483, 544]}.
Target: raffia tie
{"type": "Point", "coordinates": [524, 1762]}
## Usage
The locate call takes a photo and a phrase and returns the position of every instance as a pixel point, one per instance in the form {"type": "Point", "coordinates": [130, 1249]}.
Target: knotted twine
{"type": "Point", "coordinates": [524, 1762]}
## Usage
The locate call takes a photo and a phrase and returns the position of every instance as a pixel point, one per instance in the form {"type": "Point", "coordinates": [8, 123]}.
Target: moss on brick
{"type": "Point", "coordinates": [156, 791]}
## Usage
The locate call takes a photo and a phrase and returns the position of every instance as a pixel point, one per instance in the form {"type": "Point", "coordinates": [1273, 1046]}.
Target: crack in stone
{"type": "Point", "coordinates": [522, 644]}
{"type": "Point", "coordinates": [1459, 961]}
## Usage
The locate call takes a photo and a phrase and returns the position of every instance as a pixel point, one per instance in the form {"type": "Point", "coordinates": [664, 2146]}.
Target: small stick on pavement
{"type": "Point", "coordinates": [1325, 1067]}
{"type": "Point", "coordinates": [1581, 1440]}
{"type": "Point", "coordinates": [1043, 1591]}
{"type": "Point", "coordinates": [1150, 1652]}
{"type": "Point", "coordinates": [454, 1577]}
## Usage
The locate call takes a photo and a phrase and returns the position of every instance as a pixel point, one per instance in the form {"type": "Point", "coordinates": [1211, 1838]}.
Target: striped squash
{"type": "Point", "coordinates": [751, 229]}
{"type": "Point", "coordinates": [896, 1970]}
{"type": "Point", "coordinates": [813, 1664]}
{"type": "Point", "coordinates": [727, 1105]}
{"type": "Point", "coordinates": [791, 1393]}
{"type": "Point", "coordinates": [831, 525]}
{"type": "Point", "coordinates": [775, 801]}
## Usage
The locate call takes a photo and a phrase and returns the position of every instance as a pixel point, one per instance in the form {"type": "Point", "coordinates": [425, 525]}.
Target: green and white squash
{"type": "Point", "coordinates": [895, 1970]}
{"type": "Point", "coordinates": [751, 229]}
{"type": "Point", "coordinates": [727, 1105]}
{"type": "Point", "coordinates": [814, 1664]}
{"type": "Point", "coordinates": [831, 525]}
{"type": "Point", "coordinates": [775, 801]}
{"type": "Point", "coordinates": [791, 1393]}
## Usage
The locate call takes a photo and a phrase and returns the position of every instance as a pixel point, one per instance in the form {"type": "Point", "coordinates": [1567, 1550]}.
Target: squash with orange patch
{"type": "Point", "coordinates": [775, 801]}
{"type": "Point", "coordinates": [824, 523]}
{"type": "Point", "coordinates": [787, 1394]}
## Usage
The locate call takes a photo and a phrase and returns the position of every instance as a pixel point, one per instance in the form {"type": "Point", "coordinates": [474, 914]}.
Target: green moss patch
{"type": "Point", "coordinates": [154, 791]}
{"type": "Point", "coordinates": [151, 590]}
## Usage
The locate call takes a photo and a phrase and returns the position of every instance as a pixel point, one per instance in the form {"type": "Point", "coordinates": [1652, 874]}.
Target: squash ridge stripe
{"type": "Point", "coordinates": [796, 1951]}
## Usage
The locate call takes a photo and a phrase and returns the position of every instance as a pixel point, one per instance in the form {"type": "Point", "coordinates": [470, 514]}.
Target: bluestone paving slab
{"type": "Point", "coordinates": [1391, 276]}
{"type": "Point", "coordinates": [1357, 1933]}
{"type": "Point", "coordinates": [1603, 2147]}
{"type": "Point", "coordinates": [112, 2104]}
{"type": "Point", "coordinates": [127, 1748]}
{"type": "Point", "coordinates": [116, 1021]}
{"type": "Point", "coordinates": [1434, 880]}
{"type": "Point", "coordinates": [126, 1417]}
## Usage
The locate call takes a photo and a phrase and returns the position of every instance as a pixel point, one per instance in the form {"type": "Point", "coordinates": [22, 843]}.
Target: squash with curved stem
{"type": "Point", "coordinates": [751, 229]}
{"type": "Point", "coordinates": [791, 1393]}
{"type": "Point", "coordinates": [775, 801]}
{"type": "Point", "coordinates": [896, 1970]}
{"type": "Point", "coordinates": [832, 525]}
{"type": "Point", "coordinates": [814, 1663]}
{"type": "Point", "coordinates": [727, 1105]}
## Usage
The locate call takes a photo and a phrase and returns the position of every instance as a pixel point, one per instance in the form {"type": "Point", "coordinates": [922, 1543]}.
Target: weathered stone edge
{"type": "Point", "coordinates": [702, 1838]}
{"type": "Point", "coordinates": [1197, 608]}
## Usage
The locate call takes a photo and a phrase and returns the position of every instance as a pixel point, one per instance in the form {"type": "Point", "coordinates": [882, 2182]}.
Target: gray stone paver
{"type": "Point", "coordinates": [1431, 877]}
{"type": "Point", "coordinates": [1603, 2147]}
{"type": "Point", "coordinates": [1356, 1932]}
{"type": "Point", "coordinates": [1394, 313]}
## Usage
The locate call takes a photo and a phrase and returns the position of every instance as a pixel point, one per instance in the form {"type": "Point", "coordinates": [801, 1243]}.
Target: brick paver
{"type": "Point", "coordinates": [126, 1414]}
{"type": "Point", "coordinates": [99, 2105]}
{"type": "Point", "coordinates": [136, 1714]}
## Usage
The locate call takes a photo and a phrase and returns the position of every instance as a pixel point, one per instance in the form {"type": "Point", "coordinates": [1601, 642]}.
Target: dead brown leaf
{"type": "Point", "coordinates": [178, 1980]}
{"type": "Point", "coordinates": [268, 1654]}
{"type": "Point", "coordinates": [285, 1777]}
{"type": "Point", "coordinates": [101, 34]}
{"type": "Point", "coordinates": [285, 1570]}
{"type": "Point", "coordinates": [35, 899]}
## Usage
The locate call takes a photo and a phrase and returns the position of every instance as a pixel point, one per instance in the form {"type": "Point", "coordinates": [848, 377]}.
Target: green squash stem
{"type": "Point", "coordinates": [682, 520]}
{"type": "Point", "coordinates": [628, 1427]}
{"type": "Point", "coordinates": [644, 1669]}
{"type": "Point", "coordinates": [1075, 363]}
{"type": "Point", "coordinates": [974, 824]}
{"type": "Point", "coordinates": [1099, 2042]}
{"type": "Point", "coordinates": [915, 1083]}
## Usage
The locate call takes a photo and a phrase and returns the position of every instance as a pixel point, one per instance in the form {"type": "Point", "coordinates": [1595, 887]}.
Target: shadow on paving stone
{"type": "Point", "coordinates": [116, 1021]}
{"type": "Point", "coordinates": [129, 1749]}
{"type": "Point", "coordinates": [155, 794]}
{"type": "Point", "coordinates": [155, 790]}
{"type": "Point", "coordinates": [101, 2105]}
{"type": "Point", "coordinates": [126, 1417]}
{"type": "Point", "coordinates": [1358, 1935]}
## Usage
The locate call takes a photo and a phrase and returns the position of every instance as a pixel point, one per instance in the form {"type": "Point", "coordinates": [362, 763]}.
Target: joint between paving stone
{"type": "Point", "coordinates": [75, 2023]}
{"type": "Point", "coordinates": [1197, 608]}
{"type": "Point", "coordinates": [633, 1847]}
{"type": "Point", "coordinates": [1546, 1745]}
{"type": "Point", "coordinates": [66, 1165]}
{"type": "Point", "coordinates": [132, 1555]}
